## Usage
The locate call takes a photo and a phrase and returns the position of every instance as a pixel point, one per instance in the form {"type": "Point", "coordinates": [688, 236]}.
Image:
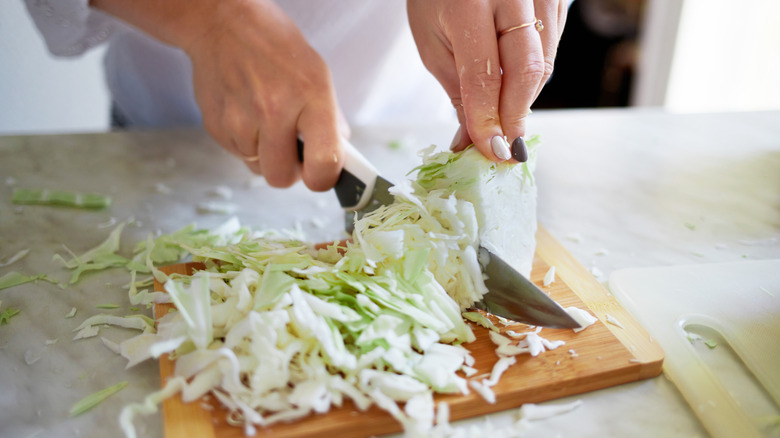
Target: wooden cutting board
{"type": "Point", "coordinates": [603, 355]}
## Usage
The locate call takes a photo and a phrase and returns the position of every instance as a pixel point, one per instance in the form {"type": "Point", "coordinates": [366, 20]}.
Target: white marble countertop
{"type": "Point", "coordinates": [619, 188]}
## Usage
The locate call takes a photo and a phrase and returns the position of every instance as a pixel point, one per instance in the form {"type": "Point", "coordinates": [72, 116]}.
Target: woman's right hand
{"type": "Point", "coordinates": [258, 83]}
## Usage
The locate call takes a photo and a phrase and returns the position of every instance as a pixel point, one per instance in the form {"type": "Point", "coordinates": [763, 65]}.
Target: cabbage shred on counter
{"type": "Point", "coordinates": [277, 330]}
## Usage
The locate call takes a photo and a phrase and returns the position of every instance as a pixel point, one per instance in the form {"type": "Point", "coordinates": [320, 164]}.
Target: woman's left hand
{"type": "Point", "coordinates": [491, 75]}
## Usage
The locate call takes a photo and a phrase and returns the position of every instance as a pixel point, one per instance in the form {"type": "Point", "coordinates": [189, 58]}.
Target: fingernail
{"type": "Point", "coordinates": [519, 150]}
{"type": "Point", "coordinates": [500, 147]}
{"type": "Point", "coordinates": [456, 139]}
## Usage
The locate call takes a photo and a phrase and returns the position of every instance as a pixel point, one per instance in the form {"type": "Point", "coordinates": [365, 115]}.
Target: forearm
{"type": "Point", "coordinates": [174, 22]}
{"type": "Point", "coordinates": [257, 81]}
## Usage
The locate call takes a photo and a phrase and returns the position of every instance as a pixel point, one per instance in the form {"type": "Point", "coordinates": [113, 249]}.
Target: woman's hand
{"type": "Point", "coordinates": [259, 84]}
{"type": "Point", "coordinates": [257, 81]}
{"type": "Point", "coordinates": [492, 79]}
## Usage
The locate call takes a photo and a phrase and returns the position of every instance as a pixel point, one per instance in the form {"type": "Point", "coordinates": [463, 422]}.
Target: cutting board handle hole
{"type": "Point", "coordinates": [715, 353]}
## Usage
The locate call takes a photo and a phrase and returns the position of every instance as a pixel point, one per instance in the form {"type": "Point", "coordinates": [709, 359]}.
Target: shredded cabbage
{"type": "Point", "coordinates": [549, 277]}
{"type": "Point", "coordinates": [7, 314]}
{"type": "Point", "coordinates": [107, 306]}
{"type": "Point", "coordinates": [481, 319]}
{"type": "Point", "coordinates": [60, 197]}
{"type": "Point", "coordinates": [100, 257]}
{"type": "Point", "coordinates": [583, 318]}
{"type": "Point", "coordinates": [614, 321]}
{"type": "Point", "coordinates": [277, 330]}
{"type": "Point", "coordinates": [95, 399]}
{"type": "Point", "coordinates": [283, 330]}
{"type": "Point", "coordinates": [137, 322]}
{"type": "Point", "coordinates": [16, 257]}
{"type": "Point", "coordinates": [14, 278]}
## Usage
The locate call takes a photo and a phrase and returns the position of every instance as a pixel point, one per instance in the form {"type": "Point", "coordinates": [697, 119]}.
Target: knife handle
{"type": "Point", "coordinates": [357, 179]}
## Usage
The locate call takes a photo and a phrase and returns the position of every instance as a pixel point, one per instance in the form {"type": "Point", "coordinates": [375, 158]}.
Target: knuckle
{"type": "Point", "coordinates": [534, 70]}
{"type": "Point", "coordinates": [548, 70]}
{"type": "Point", "coordinates": [314, 78]}
{"type": "Point", "coordinates": [230, 118]}
{"type": "Point", "coordinates": [267, 105]}
{"type": "Point", "coordinates": [457, 102]}
{"type": "Point", "coordinates": [548, 67]}
{"type": "Point", "coordinates": [513, 120]}
{"type": "Point", "coordinates": [481, 80]}
{"type": "Point", "coordinates": [211, 115]}
{"type": "Point", "coordinates": [234, 127]}
{"type": "Point", "coordinates": [480, 121]}
{"type": "Point", "coordinates": [435, 65]}
{"type": "Point", "coordinates": [217, 132]}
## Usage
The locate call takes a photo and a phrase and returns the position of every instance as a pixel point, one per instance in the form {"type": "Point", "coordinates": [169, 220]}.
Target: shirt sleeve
{"type": "Point", "coordinates": [70, 27]}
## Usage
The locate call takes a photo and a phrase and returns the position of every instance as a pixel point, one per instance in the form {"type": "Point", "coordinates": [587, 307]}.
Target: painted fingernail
{"type": "Point", "coordinates": [500, 147]}
{"type": "Point", "coordinates": [455, 139]}
{"type": "Point", "coordinates": [519, 150]}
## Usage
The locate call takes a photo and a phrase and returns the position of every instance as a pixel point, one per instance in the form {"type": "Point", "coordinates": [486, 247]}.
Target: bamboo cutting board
{"type": "Point", "coordinates": [603, 355]}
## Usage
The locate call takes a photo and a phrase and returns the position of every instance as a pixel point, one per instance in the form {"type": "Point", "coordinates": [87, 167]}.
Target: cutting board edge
{"type": "Point", "coordinates": [386, 424]}
{"type": "Point", "coordinates": [602, 303]}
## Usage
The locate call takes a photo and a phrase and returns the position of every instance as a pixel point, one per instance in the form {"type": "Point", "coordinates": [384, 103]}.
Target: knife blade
{"type": "Point", "coordinates": [515, 297]}
{"type": "Point", "coordinates": [361, 190]}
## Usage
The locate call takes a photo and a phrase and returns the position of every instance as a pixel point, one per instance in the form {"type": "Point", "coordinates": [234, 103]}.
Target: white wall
{"type": "Point", "coordinates": [709, 55]}
{"type": "Point", "coordinates": [727, 57]}
{"type": "Point", "coordinates": [43, 94]}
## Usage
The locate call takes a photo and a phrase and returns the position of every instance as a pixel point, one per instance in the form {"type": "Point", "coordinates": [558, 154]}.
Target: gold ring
{"type": "Point", "coordinates": [537, 23]}
{"type": "Point", "coordinates": [251, 159]}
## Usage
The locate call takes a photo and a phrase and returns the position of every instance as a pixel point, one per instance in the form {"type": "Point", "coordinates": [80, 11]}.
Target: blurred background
{"type": "Point", "coordinates": [682, 55]}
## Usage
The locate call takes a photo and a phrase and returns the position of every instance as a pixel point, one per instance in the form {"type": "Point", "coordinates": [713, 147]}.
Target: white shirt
{"type": "Point", "coordinates": [377, 72]}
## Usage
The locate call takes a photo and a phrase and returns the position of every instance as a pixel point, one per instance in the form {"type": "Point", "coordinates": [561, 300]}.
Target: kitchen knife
{"type": "Point", "coordinates": [360, 190]}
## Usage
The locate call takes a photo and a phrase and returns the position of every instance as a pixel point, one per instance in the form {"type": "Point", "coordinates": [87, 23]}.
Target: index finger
{"type": "Point", "coordinates": [475, 49]}
{"type": "Point", "coordinates": [318, 127]}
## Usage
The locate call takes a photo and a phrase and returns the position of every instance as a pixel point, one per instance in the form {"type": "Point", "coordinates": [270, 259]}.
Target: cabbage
{"type": "Point", "coordinates": [502, 197]}
{"type": "Point", "coordinates": [549, 277]}
{"type": "Point", "coordinates": [100, 257]}
{"type": "Point", "coordinates": [14, 278]}
{"type": "Point", "coordinates": [16, 257]}
{"type": "Point", "coordinates": [7, 314]}
{"type": "Point", "coordinates": [583, 318]}
{"type": "Point", "coordinates": [95, 399]}
{"type": "Point", "coordinates": [60, 197]}
{"type": "Point", "coordinates": [277, 330]}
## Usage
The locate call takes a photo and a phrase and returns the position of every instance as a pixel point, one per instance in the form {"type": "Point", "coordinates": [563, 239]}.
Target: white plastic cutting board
{"type": "Point", "coordinates": [740, 302]}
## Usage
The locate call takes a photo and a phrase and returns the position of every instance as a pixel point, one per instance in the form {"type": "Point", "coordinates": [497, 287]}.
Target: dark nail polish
{"type": "Point", "coordinates": [519, 150]}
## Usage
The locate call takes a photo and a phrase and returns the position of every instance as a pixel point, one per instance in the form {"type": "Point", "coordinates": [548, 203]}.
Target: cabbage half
{"type": "Point", "coordinates": [277, 330]}
{"type": "Point", "coordinates": [503, 196]}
